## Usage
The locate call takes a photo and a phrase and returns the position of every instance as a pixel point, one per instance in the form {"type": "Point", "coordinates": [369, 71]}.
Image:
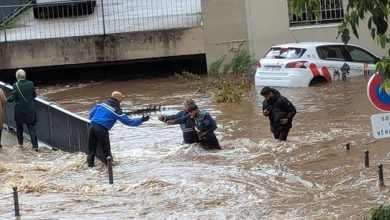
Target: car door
{"type": "Point", "coordinates": [361, 61]}
{"type": "Point", "coordinates": [333, 62]}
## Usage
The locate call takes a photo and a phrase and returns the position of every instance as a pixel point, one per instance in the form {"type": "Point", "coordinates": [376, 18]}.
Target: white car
{"type": "Point", "coordinates": [308, 63]}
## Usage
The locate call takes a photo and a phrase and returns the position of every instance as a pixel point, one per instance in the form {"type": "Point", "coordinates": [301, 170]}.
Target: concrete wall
{"type": "Point", "coordinates": [270, 25]}
{"type": "Point", "coordinates": [225, 28]}
{"type": "Point", "coordinates": [91, 49]}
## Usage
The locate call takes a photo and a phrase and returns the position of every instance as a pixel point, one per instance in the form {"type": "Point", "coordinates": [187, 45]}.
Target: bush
{"type": "Point", "coordinates": [228, 93]}
{"type": "Point", "coordinates": [215, 66]}
{"type": "Point", "coordinates": [242, 62]}
{"type": "Point", "coordinates": [381, 213]}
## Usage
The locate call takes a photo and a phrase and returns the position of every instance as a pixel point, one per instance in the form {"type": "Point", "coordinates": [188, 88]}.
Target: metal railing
{"type": "Point", "coordinates": [331, 11]}
{"type": "Point", "coordinates": [12, 7]}
{"type": "Point", "coordinates": [56, 127]}
{"type": "Point", "coordinates": [42, 21]}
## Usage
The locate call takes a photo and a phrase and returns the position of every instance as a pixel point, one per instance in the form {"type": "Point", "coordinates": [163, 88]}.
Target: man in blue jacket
{"type": "Point", "coordinates": [103, 116]}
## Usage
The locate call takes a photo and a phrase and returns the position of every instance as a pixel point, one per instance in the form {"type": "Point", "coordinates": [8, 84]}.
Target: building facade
{"type": "Point", "coordinates": [256, 25]}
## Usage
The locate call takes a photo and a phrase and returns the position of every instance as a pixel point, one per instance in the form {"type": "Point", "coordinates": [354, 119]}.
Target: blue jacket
{"type": "Point", "coordinates": [108, 112]}
{"type": "Point", "coordinates": [203, 123]}
{"type": "Point", "coordinates": [186, 125]}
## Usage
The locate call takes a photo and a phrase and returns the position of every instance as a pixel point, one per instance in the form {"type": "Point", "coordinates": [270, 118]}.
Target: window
{"type": "Point", "coordinates": [360, 55]}
{"type": "Point", "coordinates": [331, 12]}
{"type": "Point", "coordinates": [284, 53]}
{"type": "Point", "coordinates": [331, 52]}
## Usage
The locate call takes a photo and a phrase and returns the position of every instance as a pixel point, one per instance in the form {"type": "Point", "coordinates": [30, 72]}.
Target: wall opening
{"type": "Point", "coordinates": [123, 70]}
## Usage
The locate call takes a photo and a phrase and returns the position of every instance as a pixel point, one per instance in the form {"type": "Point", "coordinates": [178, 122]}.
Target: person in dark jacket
{"type": "Point", "coordinates": [103, 116]}
{"type": "Point", "coordinates": [205, 126]}
{"type": "Point", "coordinates": [280, 112]}
{"type": "Point", "coordinates": [23, 93]}
{"type": "Point", "coordinates": [187, 126]}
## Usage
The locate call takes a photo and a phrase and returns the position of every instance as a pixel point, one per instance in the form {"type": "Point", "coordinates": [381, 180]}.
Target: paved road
{"type": "Point", "coordinates": [119, 16]}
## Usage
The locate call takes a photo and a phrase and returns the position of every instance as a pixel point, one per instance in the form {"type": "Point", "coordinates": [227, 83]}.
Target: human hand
{"type": "Point", "coordinates": [170, 122]}
{"type": "Point", "coordinates": [161, 117]}
{"type": "Point", "coordinates": [145, 118]}
{"type": "Point", "coordinates": [284, 121]}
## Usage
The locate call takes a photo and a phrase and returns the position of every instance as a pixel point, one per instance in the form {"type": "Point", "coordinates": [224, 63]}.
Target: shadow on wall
{"type": "Point", "coordinates": [135, 69]}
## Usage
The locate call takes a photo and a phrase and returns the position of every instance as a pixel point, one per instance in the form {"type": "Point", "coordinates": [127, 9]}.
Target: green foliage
{"type": "Point", "coordinates": [231, 85]}
{"type": "Point", "coordinates": [311, 7]}
{"type": "Point", "coordinates": [214, 69]}
{"type": "Point", "coordinates": [383, 67]}
{"type": "Point", "coordinates": [228, 93]}
{"type": "Point", "coordinates": [242, 62]}
{"type": "Point", "coordinates": [381, 213]}
{"type": "Point", "coordinates": [13, 23]}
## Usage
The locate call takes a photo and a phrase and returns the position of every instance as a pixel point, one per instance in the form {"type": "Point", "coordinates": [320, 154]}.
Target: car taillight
{"type": "Point", "coordinates": [258, 65]}
{"type": "Point", "coordinates": [297, 64]}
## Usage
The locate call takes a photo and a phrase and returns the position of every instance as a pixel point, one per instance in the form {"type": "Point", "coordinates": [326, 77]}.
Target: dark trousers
{"type": "Point", "coordinates": [281, 134]}
{"type": "Point", "coordinates": [210, 142]}
{"type": "Point", "coordinates": [98, 135]}
{"type": "Point", "coordinates": [32, 129]}
{"type": "Point", "coordinates": [190, 137]}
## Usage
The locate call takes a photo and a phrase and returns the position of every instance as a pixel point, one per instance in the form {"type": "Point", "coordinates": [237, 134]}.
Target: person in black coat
{"type": "Point", "coordinates": [280, 112]}
{"type": "Point", "coordinates": [23, 93]}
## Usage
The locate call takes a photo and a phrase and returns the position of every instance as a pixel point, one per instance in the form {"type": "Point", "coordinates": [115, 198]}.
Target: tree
{"type": "Point", "coordinates": [375, 12]}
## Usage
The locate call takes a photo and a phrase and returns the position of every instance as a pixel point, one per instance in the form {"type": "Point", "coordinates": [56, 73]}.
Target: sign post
{"type": "Point", "coordinates": [379, 96]}
{"type": "Point", "coordinates": [381, 125]}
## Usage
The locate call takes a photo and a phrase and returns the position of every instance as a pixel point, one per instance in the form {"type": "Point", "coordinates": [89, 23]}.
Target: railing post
{"type": "Point", "coordinates": [16, 201]}
{"type": "Point", "coordinates": [4, 26]}
{"type": "Point", "coordinates": [380, 173]}
{"type": "Point", "coordinates": [366, 158]}
{"type": "Point", "coordinates": [109, 164]}
{"type": "Point", "coordinates": [104, 22]}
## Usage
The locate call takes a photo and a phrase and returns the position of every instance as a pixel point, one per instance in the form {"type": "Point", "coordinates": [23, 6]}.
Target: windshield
{"type": "Point", "coordinates": [284, 53]}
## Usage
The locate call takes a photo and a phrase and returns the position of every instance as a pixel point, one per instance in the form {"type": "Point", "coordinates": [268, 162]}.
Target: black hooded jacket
{"type": "Point", "coordinates": [279, 107]}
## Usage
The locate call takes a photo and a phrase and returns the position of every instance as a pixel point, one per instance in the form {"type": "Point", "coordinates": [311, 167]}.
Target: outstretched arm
{"type": "Point", "coordinates": [180, 120]}
{"type": "Point", "coordinates": [130, 121]}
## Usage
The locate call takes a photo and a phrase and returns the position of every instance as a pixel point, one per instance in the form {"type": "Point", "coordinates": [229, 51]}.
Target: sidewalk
{"type": "Point", "coordinates": [8, 139]}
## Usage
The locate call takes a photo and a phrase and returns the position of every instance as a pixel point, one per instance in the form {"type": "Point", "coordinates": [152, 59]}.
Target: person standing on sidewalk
{"type": "Point", "coordinates": [23, 93]}
{"type": "Point", "coordinates": [103, 116]}
{"type": "Point", "coordinates": [3, 100]}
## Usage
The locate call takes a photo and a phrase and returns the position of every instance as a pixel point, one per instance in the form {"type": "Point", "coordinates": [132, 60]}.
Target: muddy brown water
{"type": "Point", "coordinates": [156, 176]}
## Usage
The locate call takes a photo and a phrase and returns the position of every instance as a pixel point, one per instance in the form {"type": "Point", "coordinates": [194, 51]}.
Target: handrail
{"type": "Point", "coordinates": [56, 127]}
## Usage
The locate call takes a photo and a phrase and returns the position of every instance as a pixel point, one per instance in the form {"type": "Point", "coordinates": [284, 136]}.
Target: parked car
{"type": "Point", "coordinates": [309, 63]}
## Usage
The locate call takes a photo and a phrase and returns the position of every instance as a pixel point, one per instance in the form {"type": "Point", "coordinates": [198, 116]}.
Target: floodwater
{"type": "Point", "coordinates": [156, 176]}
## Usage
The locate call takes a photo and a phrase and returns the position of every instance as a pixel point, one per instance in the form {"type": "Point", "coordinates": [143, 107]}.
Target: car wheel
{"type": "Point", "coordinates": [317, 80]}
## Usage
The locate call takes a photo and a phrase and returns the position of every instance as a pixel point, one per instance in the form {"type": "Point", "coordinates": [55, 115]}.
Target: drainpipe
{"type": "Point", "coordinates": [249, 25]}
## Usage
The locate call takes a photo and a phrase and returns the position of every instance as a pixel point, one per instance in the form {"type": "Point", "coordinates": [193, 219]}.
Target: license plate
{"type": "Point", "coordinates": [272, 68]}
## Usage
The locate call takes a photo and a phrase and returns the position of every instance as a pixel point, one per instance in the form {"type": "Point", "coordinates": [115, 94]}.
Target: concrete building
{"type": "Point", "coordinates": [256, 25]}
{"type": "Point", "coordinates": [125, 30]}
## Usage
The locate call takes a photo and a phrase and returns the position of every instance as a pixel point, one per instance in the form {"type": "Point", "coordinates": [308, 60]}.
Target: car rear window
{"type": "Point", "coordinates": [284, 53]}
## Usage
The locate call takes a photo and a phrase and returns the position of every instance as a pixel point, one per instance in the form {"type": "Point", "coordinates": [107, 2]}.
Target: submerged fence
{"type": "Point", "coordinates": [56, 127]}
{"type": "Point", "coordinates": [100, 17]}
